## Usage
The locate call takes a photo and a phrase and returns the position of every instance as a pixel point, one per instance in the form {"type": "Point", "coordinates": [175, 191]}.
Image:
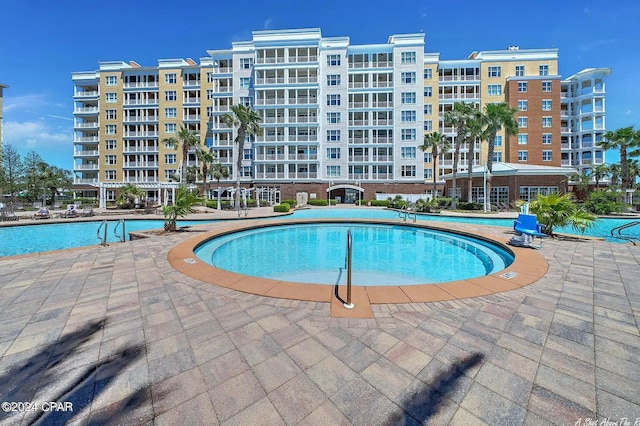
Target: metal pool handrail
{"type": "Point", "coordinates": [349, 305]}
{"type": "Point", "coordinates": [619, 229]}
{"type": "Point", "coordinates": [122, 237]}
{"type": "Point", "coordinates": [103, 239]}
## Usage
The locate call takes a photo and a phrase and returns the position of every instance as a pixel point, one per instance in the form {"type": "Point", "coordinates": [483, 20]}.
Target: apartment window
{"type": "Point", "coordinates": [333, 99]}
{"type": "Point", "coordinates": [523, 155]}
{"type": "Point", "coordinates": [546, 86]}
{"type": "Point", "coordinates": [209, 111]}
{"type": "Point", "coordinates": [245, 63]}
{"type": "Point", "coordinates": [110, 144]}
{"type": "Point", "coordinates": [245, 82]}
{"type": "Point", "coordinates": [408, 77]}
{"type": "Point", "coordinates": [428, 173]}
{"type": "Point", "coordinates": [408, 171]}
{"type": "Point", "coordinates": [170, 159]}
{"type": "Point", "coordinates": [494, 71]}
{"type": "Point", "coordinates": [408, 57]}
{"type": "Point", "coordinates": [523, 122]}
{"type": "Point", "coordinates": [169, 174]}
{"type": "Point", "coordinates": [333, 60]}
{"type": "Point", "coordinates": [170, 113]}
{"type": "Point", "coordinates": [408, 152]}
{"type": "Point", "coordinates": [546, 155]}
{"type": "Point", "coordinates": [428, 73]}
{"type": "Point", "coordinates": [333, 80]}
{"type": "Point", "coordinates": [523, 139]}
{"type": "Point", "coordinates": [428, 91]}
{"type": "Point", "coordinates": [408, 97]}
{"type": "Point", "coordinates": [497, 157]}
{"type": "Point", "coordinates": [546, 121]}
{"type": "Point", "coordinates": [494, 89]}
{"type": "Point", "coordinates": [519, 70]}
{"type": "Point", "coordinates": [110, 160]}
{"type": "Point", "coordinates": [333, 153]}
{"type": "Point", "coordinates": [428, 157]}
{"type": "Point", "coordinates": [169, 145]}
{"type": "Point", "coordinates": [170, 78]}
{"type": "Point", "coordinates": [111, 80]}
{"type": "Point", "coordinates": [428, 109]}
{"type": "Point", "coordinates": [333, 135]}
{"type": "Point", "coordinates": [522, 86]}
{"type": "Point", "coordinates": [544, 69]}
{"type": "Point", "coordinates": [546, 105]}
{"type": "Point", "coordinates": [110, 129]}
{"type": "Point", "coordinates": [408, 134]}
{"type": "Point", "coordinates": [109, 175]}
{"type": "Point", "coordinates": [247, 154]}
{"type": "Point", "coordinates": [209, 77]}
{"type": "Point", "coordinates": [110, 114]}
{"type": "Point", "coordinates": [111, 97]}
{"type": "Point", "coordinates": [209, 94]}
{"type": "Point", "coordinates": [170, 127]}
{"type": "Point", "coordinates": [333, 117]}
{"type": "Point", "coordinates": [170, 95]}
{"type": "Point", "coordinates": [546, 138]}
{"type": "Point", "coordinates": [408, 116]}
{"type": "Point", "coordinates": [523, 105]}
{"type": "Point", "coordinates": [245, 100]}
{"type": "Point", "coordinates": [497, 141]}
{"type": "Point", "coordinates": [333, 171]}
{"type": "Point", "coordinates": [428, 125]}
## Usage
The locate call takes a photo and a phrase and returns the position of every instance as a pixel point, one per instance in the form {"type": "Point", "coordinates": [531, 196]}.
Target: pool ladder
{"type": "Point", "coordinates": [122, 238]}
{"type": "Point", "coordinates": [405, 213]}
{"type": "Point", "coordinates": [103, 238]}
{"type": "Point", "coordinates": [617, 232]}
{"type": "Point", "coordinates": [347, 261]}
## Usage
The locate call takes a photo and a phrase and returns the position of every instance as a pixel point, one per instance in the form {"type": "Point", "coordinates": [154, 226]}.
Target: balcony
{"type": "Point", "coordinates": [382, 140]}
{"type": "Point", "coordinates": [565, 130]}
{"type": "Point", "coordinates": [358, 64]}
{"type": "Point", "coordinates": [140, 134]}
{"type": "Point", "coordinates": [279, 175]}
{"type": "Point", "coordinates": [358, 105]}
{"type": "Point", "coordinates": [302, 157]}
{"type": "Point", "coordinates": [221, 108]}
{"type": "Point", "coordinates": [270, 101]}
{"type": "Point", "coordinates": [191, 83]}
{"type": "Point", "coordinates": [458, 96]}
{"type": "Point", "coordinates": [358, 122]}
{"type": "Point", "coordinates": [383, 104]}
{"type": "Point", "coordinates": [565, 162]}
{"type": "Point", "coordinates": [358, 140]}
{"type": "Point", "coordinates": [359, 158]}
{"type": "Point", "coordinates": [223, 70]}
{"type": "Point", "coordinates": [192, 100]}
{"type": "Point", "coordinates": [86, 125]}
{"type": "Point", "coordinates": [86, 153]}
{"type": "Point", "coordinates": [304, 175]}
{"type": "Point", "coordinates": [149, 101]}
{"type": "Point", "coordinates": [358, 84]}
{"type": "Point", "coordinates": [141, 85]}
{"type": "Point", "coordinates": [224, 89]}
{"type": "Point", "coordinates": [303, 80]}
{"type": "Point", "coordinates": [272, 120]}
{"type": "Point", "coordinates": [380, 158]}
{"type": "Point", "coordinates": [140, 119]}
{"type": "Point", "coordinates": [134, 149]}
{"type": "Point", "coordinates": [86, 110]}
{"type": "Point", "coordinates": [458, 77]}
{"type": "Point", "coordinates": [303, 138]}
{"type": "Point", "coordinates": [564, 146]}
{"type": "Point", "coordinates": [141, 179]}
{"type": "Point", "coordinates": [192, 117]}
{"type": "Point", "coordinates": [85, 139]}
{"type": "Point", "coordinates": [359, 176]}
{"type": "Point", "coordinates": [85, 181]}
{"type": "Point", "coordinates": [270, 138]}
{"type": "Point", "coordinates": [270, 60]}
{"type": "Point", "coordinates": [383, 122]}
{"type": "Point", "coordinates": [140, 164]}
{"type": "Point", "coordinates": [86, 167]}
{"type": "Point", "coordinates": [303, 100]}
{"type": "Point", "coordinates": [303, 119]}
{"type": "Point", "coordinates": [270, 157]}
{"type": "Point", "coordinates": [381, 84]}
{"type": "Point", "coordinates": [311, 58]}
{"type": "Point", "coordinates": [86, 94]}
{"type": "Point", "coordinates": [278, 80]}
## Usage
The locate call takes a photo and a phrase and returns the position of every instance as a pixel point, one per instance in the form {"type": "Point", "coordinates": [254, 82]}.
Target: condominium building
{"type": "Point", "coordinates": [337, 118]}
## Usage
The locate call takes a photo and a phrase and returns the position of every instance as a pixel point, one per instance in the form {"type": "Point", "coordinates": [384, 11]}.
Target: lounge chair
{"type": "Point", "coordinates": [7, 213]}
{"type": "Point", "coordinates": [71, 211]}
{"type": "Point", "coordinates": [527, 226]}
{"type": "Point", "coordinates": [42, 213]}
{"type": "Point", "coordinates": [87, 211]}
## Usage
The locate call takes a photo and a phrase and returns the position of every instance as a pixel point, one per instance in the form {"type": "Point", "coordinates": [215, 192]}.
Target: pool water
{"type": "Point", "coordinates": [382, 254]}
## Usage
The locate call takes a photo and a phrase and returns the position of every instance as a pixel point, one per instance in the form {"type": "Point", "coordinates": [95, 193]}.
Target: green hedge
{"type": "Point", "coordinates": [290, 202]}
{"type": "Point", "coordinates": [282, 208]}
{"type": "Point", "coordinates": [462, 205]}
{"type": "Point", "coordinates": [380, 203]}
{"type": "Point", "coordinates": [321, 202]}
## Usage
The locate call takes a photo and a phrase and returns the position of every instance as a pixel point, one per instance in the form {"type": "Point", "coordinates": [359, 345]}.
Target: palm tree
{"type": "Point", "coordinates": [246, 121]}
{"type": "Point", "coordinates": [186, 139]}
{"type": "Point", "coordinates": [438, 144]}
{"type": "Point", "coordinates": [182, 205]}
{"type": "Point", "coordinates": [627, 141]}
{"type": "Point", "coordinates": [127, 195]}
{"type": "Point", "coordinates": [497, 116]}
{"type": "Point", "coordinates": [457, 117]}
{"type": "Point", "coordinates": [475, 127]}
{"type": "Point", "coordinates": [614, 173]}
{"type": "Point", "coordinates": [554, 210]}
{"type": "Point", "coordinates": [599, 172]}
{"type": "Point", "coordinates": [206, 158]}
{"type": "Point", "coordinates": [218, 171]}
{"type": "Point", "coordinates": [54, 178]}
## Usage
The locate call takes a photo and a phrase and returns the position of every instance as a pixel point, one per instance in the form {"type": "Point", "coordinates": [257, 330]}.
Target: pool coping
{"type": "Point", "coordinates": [527, 267]}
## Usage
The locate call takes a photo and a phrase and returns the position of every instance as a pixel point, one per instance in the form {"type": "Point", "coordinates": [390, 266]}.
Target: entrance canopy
{"type": "Point", "coordinates": [345, 186]}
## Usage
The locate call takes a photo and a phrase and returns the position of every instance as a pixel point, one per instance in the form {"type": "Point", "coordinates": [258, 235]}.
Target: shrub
{"type": "Point", "coordinates": [212, 204]}
{"type": "Point", "coordinates": [604, 203]}
{"type": "Point", "coordinates": [282, 208]}
{"type": "Point", "coordinates": [86, 201]}
{"type": "Point", "coordinates": [469, 206]}
{"type": "Point", "coordinates": [380, 203]}
{"type": "Point", "coordinates": [554, 211]}
{"type": "Point", "coordinates": [427, 206]}
{"type": "Point", "coordinates": [397, 202]}
{"type": "Point", "coordinates": [290, 202]}
{"type": "Point", "coordinates": [319, 202]}
{"type": "Point", "coordinates": [443, 202]}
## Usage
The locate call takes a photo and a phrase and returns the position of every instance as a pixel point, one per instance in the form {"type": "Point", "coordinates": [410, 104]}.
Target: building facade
{"type": "Point", "coordinates": [2, 87]}
{"type": "Point", "coordinates": [334, 115]}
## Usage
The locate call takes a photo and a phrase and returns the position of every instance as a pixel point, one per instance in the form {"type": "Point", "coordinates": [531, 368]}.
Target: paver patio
{"type": "Point", "coordinates": [129, 340]}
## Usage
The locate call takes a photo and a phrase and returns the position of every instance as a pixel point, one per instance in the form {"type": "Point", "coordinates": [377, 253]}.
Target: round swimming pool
{"type": "Point", "coordinates": [382, 254]}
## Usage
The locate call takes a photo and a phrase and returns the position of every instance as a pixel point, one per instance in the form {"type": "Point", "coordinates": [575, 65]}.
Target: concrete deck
{"type": "Point", "coordinates": [126, 338]}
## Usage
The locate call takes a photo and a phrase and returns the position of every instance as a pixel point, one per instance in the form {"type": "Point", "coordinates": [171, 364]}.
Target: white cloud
{"type": "Point", "coordinates": [628, 112]}
{"type": "Point", "coordinates": [597, 44]}
{"type": "Point", "coordinates": [25, 102]}
{"type": "Point", "coordinates": [267, 23]}
{"type": "Point", "coordinates": [34, 134]}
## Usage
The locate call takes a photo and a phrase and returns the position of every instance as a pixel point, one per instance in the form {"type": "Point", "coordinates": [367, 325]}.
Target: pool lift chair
{"type": "Point", "coordinates": [527, 228]}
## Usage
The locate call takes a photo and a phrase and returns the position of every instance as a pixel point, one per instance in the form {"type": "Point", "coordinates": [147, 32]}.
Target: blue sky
{"type": "Point", "coordinates": [42, 42]}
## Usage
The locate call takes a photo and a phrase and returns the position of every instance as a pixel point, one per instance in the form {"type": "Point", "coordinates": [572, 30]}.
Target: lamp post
{"type": "Point", "coordinates": [484, 190]}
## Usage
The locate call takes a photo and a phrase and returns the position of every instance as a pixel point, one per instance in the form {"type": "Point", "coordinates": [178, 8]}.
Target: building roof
{"type": "Point", "coordinates": [512, 169]}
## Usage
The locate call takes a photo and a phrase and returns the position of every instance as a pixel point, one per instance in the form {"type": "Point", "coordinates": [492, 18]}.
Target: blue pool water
{"type": "Point", "coordinates": [46, 237]}
{"type": "Point", "coordinates": [382, 254]}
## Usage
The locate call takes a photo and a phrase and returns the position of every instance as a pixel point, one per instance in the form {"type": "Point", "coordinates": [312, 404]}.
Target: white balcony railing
{"type": "Point", "coordinates": [86, 94]}
{"type": "Point", "coordinates": [141, 84]}
{"type": "Point", "coordinates": [140, 164]}
{"type": "Point", "coordinates": [90, 125]}
{"type": "Point", "coordinates": [85, 167]}
{"type": "Point", "coordinates": [130, 149]}
{"type": "Point", "coordinates": [86, 153]}
{"type": "Point", "coordinates": [79, 181]}
{"type": "Point", "coordinates": [85, 110]}
{"type": "Point", "coordinates": [85, 139]}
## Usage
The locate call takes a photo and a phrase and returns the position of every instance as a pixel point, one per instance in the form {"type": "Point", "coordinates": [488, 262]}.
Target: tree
{"type": "Point", "coordinates": [475, 127]}
{"type": "Point", "coordinates": [438, 144]}
{"type": "Point", "coordinates": [457, 117]}
{"type": "Point", "coordinates": [247, 124]}
{"type": "Point", "coordinates": [129, 195]}
{"type": "Point", "coordinates": [218, 171]}
{"type": "Point", "coordinates": [206, 158]}
{"type": "Point", "coordinates": [627, 141]}
{"type": "Point", "coordinates": [32, 169]}
{"type": "Point", "coordinates": [614, 173]}
{"type": "Point", "coordinates": [186, 139]}
{"type": "Point", "coordinates": [600, 172]}
{"type": "Point", "coordinates": [497, 116]}
{"type": "Point", "coordinates": [554, 210]}
{"type": "Point", "coordinates": [55, 178]}
{"type": "Point", "coordinates": [11, 169]}
{"type": "Point", "coordinates": [182, 205]}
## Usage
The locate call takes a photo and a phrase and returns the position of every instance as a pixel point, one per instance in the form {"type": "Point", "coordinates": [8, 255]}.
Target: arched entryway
{"type": "Point", "coordinates": [345, 193]}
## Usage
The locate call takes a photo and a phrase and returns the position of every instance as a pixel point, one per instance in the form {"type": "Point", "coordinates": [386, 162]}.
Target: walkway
{"type": "Point", "coordinates": [127, 339]}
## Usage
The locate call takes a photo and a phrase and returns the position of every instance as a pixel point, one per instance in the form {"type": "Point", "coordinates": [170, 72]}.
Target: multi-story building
{"type": "Point", "coordinates": [335, 116]}
{"type": "Point", "coordinates": [2, 87]}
